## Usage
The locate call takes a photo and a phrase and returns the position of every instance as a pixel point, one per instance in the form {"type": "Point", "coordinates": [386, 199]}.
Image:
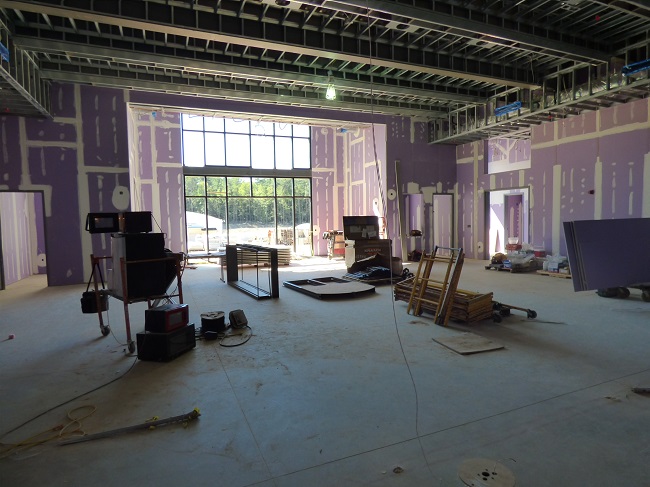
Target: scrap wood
{"type": "Point", "coordinates": [146, 425]}
{"type": "Point", "coordinates": [467, 306]}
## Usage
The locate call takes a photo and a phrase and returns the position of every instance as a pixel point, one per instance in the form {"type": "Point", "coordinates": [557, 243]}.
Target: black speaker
{"type": "Point", "coordinates": [143, 279]}
{"type": "Point", "coordinates": [135, 221]}
{"type": "Point", "coordinates": [163, 347]}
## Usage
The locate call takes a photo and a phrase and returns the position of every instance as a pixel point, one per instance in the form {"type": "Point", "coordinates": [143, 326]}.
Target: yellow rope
{"type": "Point", "coordinates": [60, 431]}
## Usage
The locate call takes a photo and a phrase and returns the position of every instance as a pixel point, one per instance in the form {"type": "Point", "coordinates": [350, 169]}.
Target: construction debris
{"type": "Point", "coordinates": [467, 306]}
{"type": "Point", "coordinates": [147, 425]}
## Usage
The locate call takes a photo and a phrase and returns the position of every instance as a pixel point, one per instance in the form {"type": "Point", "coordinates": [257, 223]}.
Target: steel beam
{"type": "Point", "coordinates": [429, 65]}
{"type": "Point", "coordinates": [207, 92]}
{"type": "Point", "coordinates": [233, 70]}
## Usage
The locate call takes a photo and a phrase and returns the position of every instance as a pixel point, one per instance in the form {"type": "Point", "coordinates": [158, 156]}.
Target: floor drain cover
{"type": "Point", "coordinates": [483, 472]}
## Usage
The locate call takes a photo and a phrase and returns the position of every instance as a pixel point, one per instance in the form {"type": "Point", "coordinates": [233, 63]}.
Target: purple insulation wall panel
{"type": "Point", "coordinates": [340, 154]}
{"type": "Point", "coordinates": [578, 161]}
{"type": "Point", "coordinates": [146, 195]}
{"type": "Point", "coordinates": [57, 167]}
{"type": "Point", "coordinates": [170, 190]}
{"type": "Point", "coordinates": [103, 111]}
{"type": "Point", "coordinates": [543, 133]}
{"type": "Point", "coordinates": [619, 115]}
{"type": "Point", "coordinates": [323, 149]}
{"type": "Point", "coordinates": [443, 224]}
{"type": "Point", "coordinates": [623, 173]}
{"type": "Point", "coordinates": [339, 199]}
{"type": "Point", "coordinates": [579, 125]}
{"type": "Point", "coordinates": [465, 206]}
{"type": "Point", "coordinates": [62, 100]}
{"type": "Point", "coordinates": [47, 131]}
{"type": "Point", "coordinates": [145, 152]}
{"type": "Point", "coordinates": [168, 143]}
{"type": "Point", "coordinates": [324, 178]}
{"type": "Point", "coordinates": [10, 153]}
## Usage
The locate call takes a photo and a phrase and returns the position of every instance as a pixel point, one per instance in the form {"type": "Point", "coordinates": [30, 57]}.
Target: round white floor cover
{"type": "Point", "coordinates": [483, 472]}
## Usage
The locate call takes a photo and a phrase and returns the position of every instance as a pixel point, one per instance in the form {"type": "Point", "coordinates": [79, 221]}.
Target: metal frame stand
{"type": "Point", "coordinates": [151, 300]}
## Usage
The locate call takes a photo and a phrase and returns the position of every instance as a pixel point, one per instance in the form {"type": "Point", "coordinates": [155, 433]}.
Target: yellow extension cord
{"type": "Point", "coordinates": [60, 431]}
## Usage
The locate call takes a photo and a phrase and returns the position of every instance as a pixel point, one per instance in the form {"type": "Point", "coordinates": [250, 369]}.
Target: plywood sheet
{"type": "Point", "coordinates": [468, 343]}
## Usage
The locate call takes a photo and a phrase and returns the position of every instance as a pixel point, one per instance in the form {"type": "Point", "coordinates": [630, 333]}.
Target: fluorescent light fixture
{"type": "Point", "coordinates": [634, 68]}
{"type": "Point", "coordinates": [330, 94]}
{"type": "Point", "coordinates": [512, 107]}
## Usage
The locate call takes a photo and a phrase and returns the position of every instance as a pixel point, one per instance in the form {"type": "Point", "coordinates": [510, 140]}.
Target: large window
{"type": "Point", "coordinates": [228, 142]}
{"type": "Point", "coordinates": [238, 210]}
{"type": "Point", "coordinates": [235, 186]}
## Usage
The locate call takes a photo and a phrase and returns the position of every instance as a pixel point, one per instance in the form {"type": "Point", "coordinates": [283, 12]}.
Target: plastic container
{"type": "Point", "coordinates": [539, 251]}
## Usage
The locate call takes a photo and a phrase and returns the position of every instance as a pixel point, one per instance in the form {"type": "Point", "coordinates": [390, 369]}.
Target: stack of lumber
{"type": "Point", "coordinates": [467, 306]}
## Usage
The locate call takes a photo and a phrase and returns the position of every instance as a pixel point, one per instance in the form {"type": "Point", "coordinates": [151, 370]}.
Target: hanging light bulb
{"type": "Point", "coordinates": [330, 93]}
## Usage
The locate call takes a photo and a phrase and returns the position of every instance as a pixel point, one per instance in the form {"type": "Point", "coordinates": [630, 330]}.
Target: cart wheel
{"type": "Point", "coordinates": [532, 314]}
{"type": "Point", "coordinates": [645, 295]}
{"type": "Point", "coordinates": [131, 347]}
{"type": "Point", "coordinates": [623, 292]}
{"type": "Point", "coordinates": [496, 317]}
{"type": "Point", "coordinates": [504, 311]}
{"type": "Point", "coordinates": [105, 330]}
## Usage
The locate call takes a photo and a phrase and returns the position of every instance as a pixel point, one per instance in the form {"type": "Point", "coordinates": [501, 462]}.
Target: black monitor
{"type": "Point", "coordinates": [361, 228]}
{"type": "Point", "coordinates": [102, 223]}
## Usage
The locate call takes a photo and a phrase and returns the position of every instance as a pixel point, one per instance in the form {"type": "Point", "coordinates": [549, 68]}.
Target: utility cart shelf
{"type": "Point", "coordinates": [172, 269]}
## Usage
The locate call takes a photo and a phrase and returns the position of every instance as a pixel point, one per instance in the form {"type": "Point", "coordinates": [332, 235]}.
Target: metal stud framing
{"type": "Point", "coordinates": [451, 62]}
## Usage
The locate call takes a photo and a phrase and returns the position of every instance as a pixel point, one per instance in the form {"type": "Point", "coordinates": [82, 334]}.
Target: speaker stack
{"type": "Point", "coordinates": [167, 334]}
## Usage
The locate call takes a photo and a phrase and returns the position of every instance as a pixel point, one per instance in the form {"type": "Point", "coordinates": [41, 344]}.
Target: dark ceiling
{"type": "Point", "coordinates": [448, 62]}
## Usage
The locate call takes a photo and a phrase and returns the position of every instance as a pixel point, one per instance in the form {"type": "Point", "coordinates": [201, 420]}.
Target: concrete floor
{"type": "Point", "coordinates": [332, 393]}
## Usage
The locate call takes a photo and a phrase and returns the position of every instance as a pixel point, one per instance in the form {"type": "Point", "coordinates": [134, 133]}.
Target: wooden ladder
{"type": "Point", "coordinates": [447, 286]}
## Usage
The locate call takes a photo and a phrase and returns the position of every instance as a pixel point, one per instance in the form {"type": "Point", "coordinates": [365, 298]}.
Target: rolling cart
{"type": "Point", "coordinates": [175, 260]}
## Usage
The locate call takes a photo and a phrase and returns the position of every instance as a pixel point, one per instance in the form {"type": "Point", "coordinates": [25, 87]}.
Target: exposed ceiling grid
{"type": "Point", "coordinates": [451, 62]}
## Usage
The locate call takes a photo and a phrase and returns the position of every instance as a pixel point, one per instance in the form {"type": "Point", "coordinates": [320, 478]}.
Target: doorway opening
{"type": "Point", "coordinates": [508, 218]}
{"type": "Point", "coordinates": [22, 236]}
{"type": "Point", "coordinates": [430, 221]}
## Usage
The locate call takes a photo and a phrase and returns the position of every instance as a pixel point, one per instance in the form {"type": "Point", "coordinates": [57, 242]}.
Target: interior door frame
{"type": "Point", "coordinates": [2, 264]}
{"type": "Point", "coordinates": [452, 217]}
{"type": "Point", "coordinates": [525, 190]}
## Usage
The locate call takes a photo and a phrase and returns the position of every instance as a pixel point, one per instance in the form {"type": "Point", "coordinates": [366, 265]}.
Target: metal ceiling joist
{"type": "Point", "coordinates": [428, 19]}
{"type": "Point", "coordinates": [51, 47]}
{"type": "Point", "coordinates": [222, 69]}
{"type": "Point", "coordinates": [273, 99]}
{"type": "Point", "coordinates": [612, 94]}
{"type": "Point", "coordinates": [202, 33]}
{"type": "Point", "coordinates": [22, 89]}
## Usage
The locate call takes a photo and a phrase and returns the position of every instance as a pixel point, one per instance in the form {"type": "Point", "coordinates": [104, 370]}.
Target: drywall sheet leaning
{"type": "Point", "coordinates": [608, 253]}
